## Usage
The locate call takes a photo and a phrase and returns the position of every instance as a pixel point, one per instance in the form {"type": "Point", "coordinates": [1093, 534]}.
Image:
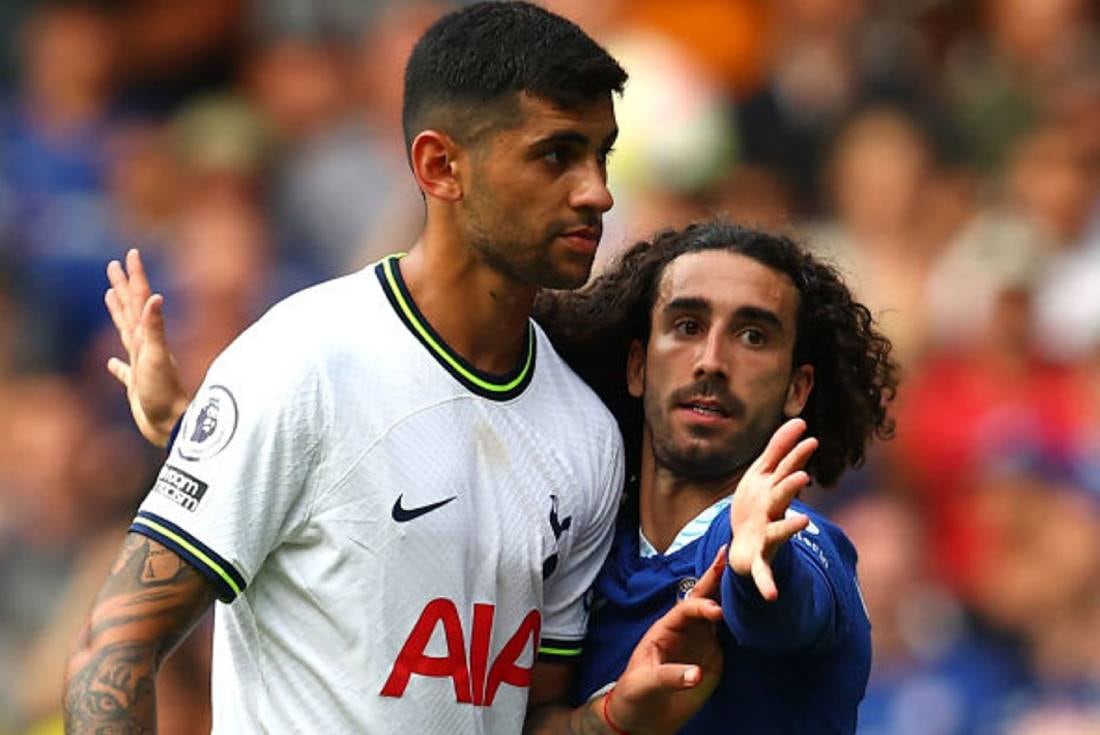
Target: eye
{"type": "Point", "coordinates": [556, 156]}
{"type": "Point", "coordinates": [604, 155]}
{"type": "Point", "coordinates": [687, 327]}
{"type": "Point", "coordinates": [752, 337]}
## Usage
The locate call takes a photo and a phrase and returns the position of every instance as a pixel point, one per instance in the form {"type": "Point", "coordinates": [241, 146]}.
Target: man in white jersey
{"type": "Point", "coordinates": [395, 485]}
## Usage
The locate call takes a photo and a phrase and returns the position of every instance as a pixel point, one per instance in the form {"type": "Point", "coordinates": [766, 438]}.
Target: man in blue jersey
{"type": "Point", "coordinates": [727, 333]}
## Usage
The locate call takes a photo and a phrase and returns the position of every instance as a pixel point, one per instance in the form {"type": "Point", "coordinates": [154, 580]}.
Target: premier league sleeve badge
{"type": "Point", "coordinates": [209, 424]}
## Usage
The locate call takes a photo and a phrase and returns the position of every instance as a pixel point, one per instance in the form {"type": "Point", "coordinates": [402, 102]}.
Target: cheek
{"type": "Point", "coordinates": [762, 380]}
{"type": "Point", "coordinates": [664, 362]}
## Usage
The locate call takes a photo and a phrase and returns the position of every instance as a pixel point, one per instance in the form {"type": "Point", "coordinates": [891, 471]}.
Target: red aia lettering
{"type": "Point", "coordinates": [412, 660]}
{"type": "Point", "coordinates": [471, 684]}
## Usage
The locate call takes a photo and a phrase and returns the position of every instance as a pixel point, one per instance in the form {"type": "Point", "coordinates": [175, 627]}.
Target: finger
{"type": "Point", "coordinates": [786, 491]}
{"type": "Point", "coordinates": [689, 612]}
{"type": "Point", "coordinates": [152, 320]}
{"type": "Point", "coordinates": [120, 370]}
{"type": "Point", "coordinates": [679, 676]}
{"type": "Point", "coordinates": [120, 284]}
{"type": "Point", "coordinates": [709, 584]}
{"type": "Point", "coordinates": [780, 532]}
{"type": "Point", "coordinates": [696, 609]}
{"type": "Point", "coordinates": [139, 283]}
{"type": "Point", "coordinates": [797, 458]}
{"type": "Point", "coordinates": [118, 316]}
{"type": "Point", "coordinates": [762, 576]}
{"type": "Point", "coordinates": [781, 442]}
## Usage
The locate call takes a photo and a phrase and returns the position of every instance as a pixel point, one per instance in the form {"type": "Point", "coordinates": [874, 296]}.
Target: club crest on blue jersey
{"type": "Point", "coordinates": [684, 587]}
{"type": "Point", "coordinates": [209, 424]}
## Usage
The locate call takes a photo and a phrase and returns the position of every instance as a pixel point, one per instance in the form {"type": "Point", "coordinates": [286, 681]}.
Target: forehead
{"type": "Point", "coordinates": [728, 281]}
{"type": "Point", "coordinates": [540, 118]}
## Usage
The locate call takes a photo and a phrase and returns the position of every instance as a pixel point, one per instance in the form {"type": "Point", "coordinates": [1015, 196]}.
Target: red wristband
{"type": "Point", "coordinates": [607, 713]}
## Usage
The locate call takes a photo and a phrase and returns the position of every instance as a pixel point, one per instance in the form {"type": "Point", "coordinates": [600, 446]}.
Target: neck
{"type": "Point", "coordinates": [480, 313]}
{"type": "Point", "coordinates": [668, 502]}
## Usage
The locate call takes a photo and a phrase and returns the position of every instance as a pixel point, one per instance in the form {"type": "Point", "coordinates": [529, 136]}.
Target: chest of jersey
{"type": "Point", "coordinates": [442, 533]}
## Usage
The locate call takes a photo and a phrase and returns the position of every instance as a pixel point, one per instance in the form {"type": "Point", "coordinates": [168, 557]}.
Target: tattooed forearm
{"type": "Point", "coordinates": [559, 720]}
{"type": "Point", "coordinates": [148, 604]}
{"type": "Point", "coordinates": [112, 693]}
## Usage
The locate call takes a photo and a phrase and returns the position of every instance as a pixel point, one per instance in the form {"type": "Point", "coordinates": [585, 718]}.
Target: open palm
{"type": "Point", "coordinates": [758, 511]}
{"type": "Point", "coordinates": [157, 398]}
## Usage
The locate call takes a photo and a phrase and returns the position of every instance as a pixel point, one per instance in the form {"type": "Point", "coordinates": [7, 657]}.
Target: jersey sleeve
{"type": "Point", "coordinates": [567, 591]}
{"type": "Point", "coordinates": [815, 601]}
{"type": "Point", "coordinates": [236, 481]}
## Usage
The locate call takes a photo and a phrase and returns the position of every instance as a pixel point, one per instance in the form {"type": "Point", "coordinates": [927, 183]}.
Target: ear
{"type": "Point", "coordinates": [434, 158]}
{"type": "Point", "coordinates": [635, 369]}
{"type": "Point", "coordinates": [798, 390]}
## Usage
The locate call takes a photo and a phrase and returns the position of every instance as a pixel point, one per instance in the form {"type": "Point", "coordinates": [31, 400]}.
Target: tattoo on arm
{"type": "Point", "coordinates": [560, 720]}
{"type": "Point", "coordinates": [149, 603]}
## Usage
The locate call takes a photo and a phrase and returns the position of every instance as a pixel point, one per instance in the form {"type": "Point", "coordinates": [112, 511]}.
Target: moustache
{"type": "Point", "coordinates": [712, 390]}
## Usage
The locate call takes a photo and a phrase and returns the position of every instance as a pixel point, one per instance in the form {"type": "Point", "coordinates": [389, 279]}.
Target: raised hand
{"type": "Point", "coordinates": [758, 511]}
{"type": "Point", "coordinates": [157, 398]}
{"type": "Point", "coordinates": [675, 667]}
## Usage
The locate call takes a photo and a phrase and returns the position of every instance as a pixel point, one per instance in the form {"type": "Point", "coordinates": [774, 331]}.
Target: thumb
{"type": "Point", "coordinates": [678, 676]}
{"type": "Point", "coordinates": [120, 370]}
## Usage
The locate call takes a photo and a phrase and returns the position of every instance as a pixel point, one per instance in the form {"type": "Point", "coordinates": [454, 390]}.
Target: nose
{"type": "Point", "coordinates": [710, 356]}
{"type": "Point", "coordinates": [591, 191]}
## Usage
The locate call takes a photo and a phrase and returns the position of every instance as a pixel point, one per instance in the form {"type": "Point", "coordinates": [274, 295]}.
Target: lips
{"type": "Point", "coordinates": [706, 406]}
{"type": "Point", "coordinates": [585, 233]}
{"type": "Point", "coordinates": [708, 398]}
{"type": "Point", "coordinates": [583, 239]}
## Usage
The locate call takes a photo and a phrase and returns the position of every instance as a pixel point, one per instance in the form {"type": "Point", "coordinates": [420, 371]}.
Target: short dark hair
{"type": "Point", "coordinates": [855, 377]}
{"type": "Point", "coordinates": [466, 71]}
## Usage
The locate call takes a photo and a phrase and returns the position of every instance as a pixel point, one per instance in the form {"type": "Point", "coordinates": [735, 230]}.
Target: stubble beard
{"type": "Point", "coordinates": [520, 258]}
{"type": "Point", "coordinates": [703, 460]}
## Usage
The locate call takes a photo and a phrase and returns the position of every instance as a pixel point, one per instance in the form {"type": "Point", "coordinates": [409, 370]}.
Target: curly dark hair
{"type": "Point", "coordinates": [855, 377]}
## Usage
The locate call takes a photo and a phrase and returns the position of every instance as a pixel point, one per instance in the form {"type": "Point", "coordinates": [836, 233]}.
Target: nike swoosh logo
{"type": "Point", "coordinates": [404, 515]}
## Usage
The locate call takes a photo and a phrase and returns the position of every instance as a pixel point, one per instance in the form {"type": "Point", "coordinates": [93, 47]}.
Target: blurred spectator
{"type": "Point", "coordinates": [828, 58]}
{"type": "Point", "coordinates": [981, 403]}
{"type": "Point", "coordinates": [223, 274]}
{"type": "Point", "coordinates": [146, 187]}
{"type": "Point", "coordinates": [1055, 181]}
{"type": "Point", "coordinates": [932, 672]}
{"type": "Point", "coordinates": [174, 50]}
{"type": "Point", "coordinates": [885, 235]}
{"type": "Point", "coordinates": [223, 146]}
{"type": "Point", "coordinates": [1037, 581]}
{"type": "Point", "coordinates": [68, 485]}
{"type": "Point", "coordinates": [1007, 75]}
{"type": "Point", "coordinates": [342, 190]}
{"type": "Point", "coordinates": [55, 153]}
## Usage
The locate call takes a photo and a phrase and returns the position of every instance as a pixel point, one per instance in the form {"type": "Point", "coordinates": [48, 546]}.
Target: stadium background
{"type": "Point", "coordinates": [945, 154]}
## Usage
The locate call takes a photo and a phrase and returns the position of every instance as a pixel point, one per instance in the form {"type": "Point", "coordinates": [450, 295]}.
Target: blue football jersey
{"type": "Point", "coordinates": [796, 665]}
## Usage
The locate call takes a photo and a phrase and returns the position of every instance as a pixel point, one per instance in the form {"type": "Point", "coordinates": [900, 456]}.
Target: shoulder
{"type": "Point", "coordinates": [305, 327]}
{"type": "Point", "coordinates": [565, 387]}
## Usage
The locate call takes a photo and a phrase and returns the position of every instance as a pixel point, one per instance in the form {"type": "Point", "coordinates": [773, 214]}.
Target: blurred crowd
{"type": "Point", "coordinates": [943, 154]}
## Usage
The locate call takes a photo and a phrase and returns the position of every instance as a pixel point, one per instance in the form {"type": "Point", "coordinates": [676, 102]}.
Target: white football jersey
{"type": "Point", "coordinates": [395, 535]}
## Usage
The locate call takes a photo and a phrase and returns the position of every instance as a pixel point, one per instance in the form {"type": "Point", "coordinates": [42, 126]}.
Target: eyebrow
{"type": "Point", "coordinates": [744, 313]}
{"type": "Point", "coordinates": [574, 137]}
